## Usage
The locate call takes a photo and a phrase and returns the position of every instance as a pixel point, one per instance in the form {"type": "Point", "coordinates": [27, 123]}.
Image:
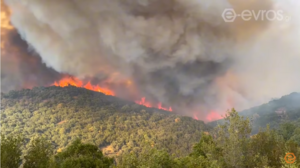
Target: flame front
{"type": "Point", "coordinates": [78, 83]}
{"type": "Point", "coordinates": [212, 116]}
{"type": "Point", "coordinates": [105, 90]}
{"type": "Point", "coordinates": [148, 104]}
{"type": "Point", "coordinates": [66, 81]}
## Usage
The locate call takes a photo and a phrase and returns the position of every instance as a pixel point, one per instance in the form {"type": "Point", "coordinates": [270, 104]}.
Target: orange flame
{"type": "Point", "coordinates": [148, 104]}
{"type": "Point", "coordinates": [213, 116]}
{"type": "Point", "coordinates": [78, 83]}
{"type": "Point", "coordinates": [6, 26]}
{"type": "Point", "coordinates": [195, 117]}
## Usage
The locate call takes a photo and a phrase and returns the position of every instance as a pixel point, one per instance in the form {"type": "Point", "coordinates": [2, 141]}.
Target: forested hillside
{"type": "Point", "coordinates": [226, 146]}
{"type": "Point", "coordinates": [63, 114]}
{"type": "Point", "coordinates": [278, 111]}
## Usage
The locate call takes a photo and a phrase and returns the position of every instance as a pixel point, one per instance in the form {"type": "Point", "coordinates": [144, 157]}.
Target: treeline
{"type": "Point", "coordinates": [229, 145]}
{"type": "Point", "coordinates": [40, 155]}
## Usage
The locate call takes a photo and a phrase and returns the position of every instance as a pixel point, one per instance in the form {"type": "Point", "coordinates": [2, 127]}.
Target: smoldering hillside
{"type": "Point", "coordinates": [179, 52]}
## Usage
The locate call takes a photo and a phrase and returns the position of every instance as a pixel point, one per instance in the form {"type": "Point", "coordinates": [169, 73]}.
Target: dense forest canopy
{"type": "Point", "coordinates": [115, 125]}
{"type": "Point", "coordinates": [227, 146]}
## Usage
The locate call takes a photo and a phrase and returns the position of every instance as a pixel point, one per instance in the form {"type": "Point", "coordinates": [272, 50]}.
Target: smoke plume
{"type": "Point", "coordinates": [179, 52]}
{"type": "Point", "coordinates": [19, 67]}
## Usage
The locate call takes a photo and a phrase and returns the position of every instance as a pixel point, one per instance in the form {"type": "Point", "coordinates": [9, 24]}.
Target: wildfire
{"type": "Point", "coordinates": [148, 104]}
{"type": "Point", "coordinates": [195, 117]}
{"type": "Point", "coordinates": [66, 81]}
{"type": "Point", "coordinates": [105, 90]}
{"type": "Point", "coordinates": [213, 116]}
{"type": "Point", "coordinates": [5, 24]}
{"type": "Point", "coordinates": [5, 14]}
{"type": "Point", "coordinates": [78, 83]}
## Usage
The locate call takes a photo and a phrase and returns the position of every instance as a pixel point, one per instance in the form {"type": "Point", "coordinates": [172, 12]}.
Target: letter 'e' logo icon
{"type": "Point", "coordinates": [290, 158]}
{"type": "Point", "coordinates": [229, 15]}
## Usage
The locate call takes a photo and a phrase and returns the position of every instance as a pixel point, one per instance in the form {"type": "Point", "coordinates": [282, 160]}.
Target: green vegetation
{"type": "Point", "coordinates": [77, 155]}
{"type": "Point", "coordinates": [57, 127]}
{"type": "Point", "coordinates": [82, 156]}
{"type": "Point", "coordinates": [283, 110]}
{"type": "Point", "coordinates": [62, 115]}
{"type": "Point", "coordinates": [227, 146]}
{"type": "Point", "coordinates": [39, 153]}
{"type": "Point", "coordinates": [11, 151]}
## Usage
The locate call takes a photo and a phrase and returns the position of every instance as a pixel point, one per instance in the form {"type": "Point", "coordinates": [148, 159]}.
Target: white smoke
{"type": "Point", "coordinates": [179, 52]}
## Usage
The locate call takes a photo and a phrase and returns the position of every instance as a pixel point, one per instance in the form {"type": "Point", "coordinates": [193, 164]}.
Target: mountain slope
{"type": "Point", "coordinates": [115, 125]}
{"type": "Point", "coordinates": [275, 112]}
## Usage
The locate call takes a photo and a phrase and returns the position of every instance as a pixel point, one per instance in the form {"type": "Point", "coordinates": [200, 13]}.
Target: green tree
{"type": "Point", "coordinates": [204, 154]}
{"type": "Point", "coordinates": [296, 136]}
{"type": "Point", "coordinates": [233, 137]}
{"type": "Point", "coordinates": [39, 154]}
{"type": "Point", "coordinates": [11, 151]}
{"type": "Point", "coordinates": [267, 147]}
{"type": "Point", "coordinates": [79, 155]}
{"type": "Point", "coordinates": [149, 157]}
{"type": "Point", "coordinates": [286, 130]}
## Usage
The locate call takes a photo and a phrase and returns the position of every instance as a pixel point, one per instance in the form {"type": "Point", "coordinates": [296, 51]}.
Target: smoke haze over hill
{"type": "Point", "coordinates": [179, 52]}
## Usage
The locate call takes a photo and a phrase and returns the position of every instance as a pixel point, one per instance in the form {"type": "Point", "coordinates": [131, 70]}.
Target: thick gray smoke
{"type": "Point", "coordinates": [20, 68]}
{"type": "Point", "coordinates": [179, 52]}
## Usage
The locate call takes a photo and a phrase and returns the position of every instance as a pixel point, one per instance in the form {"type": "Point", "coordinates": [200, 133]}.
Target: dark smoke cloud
{"type": "Point", "coordinates": [179, 52]}
{"type": "Point", "coordinates": [20, 68]}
